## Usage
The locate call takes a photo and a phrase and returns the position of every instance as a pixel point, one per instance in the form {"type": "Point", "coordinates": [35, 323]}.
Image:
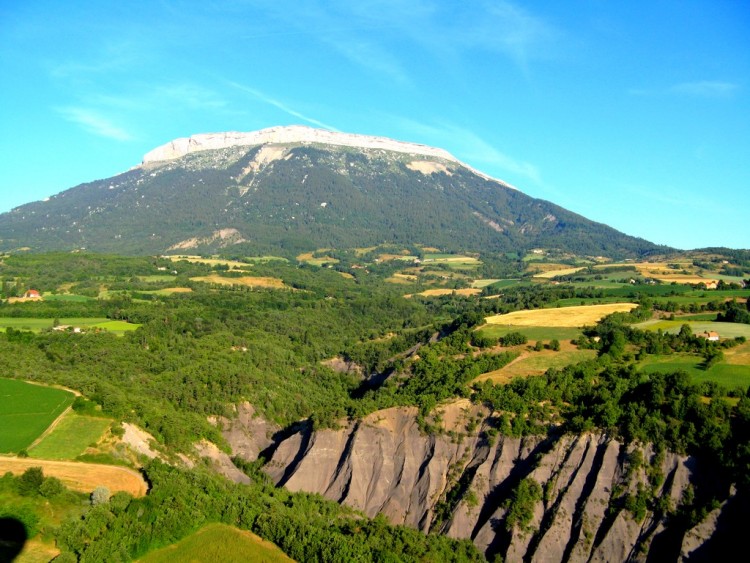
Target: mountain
{"type": "Point", "coordinates": [292, 189]}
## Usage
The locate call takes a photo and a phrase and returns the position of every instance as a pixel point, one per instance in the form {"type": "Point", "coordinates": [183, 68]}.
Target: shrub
{"type": "Point", "coordinates": [514, 339]}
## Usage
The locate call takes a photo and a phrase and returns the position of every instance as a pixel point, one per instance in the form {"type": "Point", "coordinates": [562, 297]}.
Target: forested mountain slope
{"type": "Point", "coordinates": [299, 191]}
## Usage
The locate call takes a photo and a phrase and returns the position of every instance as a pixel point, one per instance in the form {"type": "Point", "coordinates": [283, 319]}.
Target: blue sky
{"type": "Point", "coordinates": [634, 114]}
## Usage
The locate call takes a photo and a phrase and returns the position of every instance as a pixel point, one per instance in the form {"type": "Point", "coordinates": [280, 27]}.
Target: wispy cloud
{"type": "Point", "coordinates": [670, 197]}
{"type": "Point", "coordinates": [511, 30]}
{"type": "Point", "coordinates": [471, 148]}
{"type": "Point", "coordinates": [474, 148]}
{"type": "Point", "coordinates": [706, 88]}
{"type": "Point", "coordinates": [371, 56]}
{"type": "Point", "coordinates": [95, 123]}
{"type": "Point", "coordinates": [190, 96]}
{"type": "Point", "coordinates": [698, 89]}
{"type": "Point", "coordinates": [281, 106]}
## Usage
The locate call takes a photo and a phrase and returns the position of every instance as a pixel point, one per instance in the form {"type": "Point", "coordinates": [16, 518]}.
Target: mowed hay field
{"type": "Point", "coordinates": [26, 411]}
{"type": "Point", "coordinates": [219, 542]}
{"type": "Point", "coordinates": [79, 476]}
{"type": "Point", "coordinates": [561, 317]}
{"type": "Point", "coordinates": [70, 437]}
{"type": "Point", "coordinates": [247, 281]}
{"type": "Point", "coordinates": [464, 292]}
{"type": "Point", "coordinates": [231, 264]}
{"type": "Point", "coordinates": [536, 363]}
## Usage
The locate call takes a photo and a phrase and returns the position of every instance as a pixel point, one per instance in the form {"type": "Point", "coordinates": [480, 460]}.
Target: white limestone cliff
{"type": "Point", "coordinates": [285, 135]}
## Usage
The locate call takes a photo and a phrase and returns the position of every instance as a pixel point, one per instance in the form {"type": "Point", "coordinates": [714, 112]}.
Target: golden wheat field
{"type": "Point", "coordinates": [562, 317]}
{"type": "Point", "coordinates": [83, 477]}
{"type": "Point", "coordinates": [467, 291]}
{"type": "Point", "coordinates": [248, 281]}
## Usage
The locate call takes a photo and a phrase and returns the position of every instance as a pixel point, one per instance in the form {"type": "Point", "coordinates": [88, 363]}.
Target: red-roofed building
{"type": "Point", "coordinates": [32, 294]}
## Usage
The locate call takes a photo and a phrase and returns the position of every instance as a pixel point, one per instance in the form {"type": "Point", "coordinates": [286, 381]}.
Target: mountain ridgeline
{"type": "Point", "coordinates": [298, 189]}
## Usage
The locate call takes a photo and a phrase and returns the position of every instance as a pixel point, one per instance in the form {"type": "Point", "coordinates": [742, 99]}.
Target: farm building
{"type": "Point", "coordinates": [712, 284]}
{"type": "Point", "coordinates": [710, 335]}
{"type": "Point", "coordinates": [32, 294]}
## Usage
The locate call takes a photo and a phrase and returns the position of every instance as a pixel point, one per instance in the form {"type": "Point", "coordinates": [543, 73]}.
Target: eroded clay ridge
{"type": "Point", "coordinates": [460, 486]}
{"type": "Point", "coordinates": [284, 135]}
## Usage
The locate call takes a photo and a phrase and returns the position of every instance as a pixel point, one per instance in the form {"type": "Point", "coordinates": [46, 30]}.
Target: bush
{"type": "Point", "coordinates": [521, 504]}
{"type": "Point", "coordinates": [481, 340]}
{"type": "Point", "coordinates": [100, 496]}
{"type": "Point", "coordinates": [513, 339]}
{"type": "Point", "coordinates": [30, 482]}
{"type": "Point", "coordinates": [51, 487]}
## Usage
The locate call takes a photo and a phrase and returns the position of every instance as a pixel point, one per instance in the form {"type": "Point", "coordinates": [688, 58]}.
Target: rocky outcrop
{"type": "Point", "coordinates": [458, 482]}
{"type": "Point", "coordinates": [286, 135]}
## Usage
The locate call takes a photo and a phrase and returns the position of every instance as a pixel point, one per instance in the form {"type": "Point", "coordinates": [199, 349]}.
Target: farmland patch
{"type": "Point", "coordinates": [70, 437]}
{"type": "Point", "coordinates": [465, 292]}
{"type": "Point", "coordinates": [537, 363]}
{"type": "Point", "coordinates": [79, 476]}
{"type": "Point", "coordinates": [561, 317]}
{"type": "Point", "coordinates": [26, 410]}
{"type": "Point", "coordinates": [36, 324]}
{"type": "Point", "coordinates": [247, 281]}
{"type": "Point", "coordinates": [231, 264]}
{"type": "Point", "coordinates": [533, 332]}
{"type": "Point", "coordinates": [725, 330]}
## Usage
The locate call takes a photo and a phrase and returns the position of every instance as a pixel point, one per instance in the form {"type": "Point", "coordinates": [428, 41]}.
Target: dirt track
{"type": "Point", "coordinates": [83, 477]}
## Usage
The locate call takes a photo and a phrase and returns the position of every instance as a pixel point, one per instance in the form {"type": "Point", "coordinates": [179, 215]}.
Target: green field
{"type": "Point", "coordinates": [727, 375]}
{"type": "Point", "coordinates": [725, 330]}
{"type": "Point", "coordinates": [157, 278]}
{"type": "Point", "coordinates": [70, 297]}
{"type": "Point", "coordinates": [497, 284]}
{"type": "Point", "coordinates": [533, 332]}
{"type": "Point", "coordinates": [451, 260]}
{"type": "Point", "coordinates": [697, 317]}
{"type": "Point", "coordinates": [574, 301]}
{"type": "Point", "coordinates": [26, 410]}
{"type": "Point", "coordinates": [37, 324]}
{"type": "Point", "coordinates": [264, 259]}
{"type": "Point", "coordinates": [72, 435]}
{"type": "Point", "coordinates": [218, 543]}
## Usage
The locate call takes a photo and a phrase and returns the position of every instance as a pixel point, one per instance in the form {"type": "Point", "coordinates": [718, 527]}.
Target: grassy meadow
{"type": "Point", "coordinates": [37, 324]}
{"type": "Point", "coordinates": [537, 363]}
{"type": "Point", "coordinates": [26, 411]}
{"type": "Point", "coordinates": [726, 374]}
{"type": "Point", "coordinates": [533, 333]}
{"type": "Point", "coordinates": [70, 437]}
{"type": "Point", "coordinates": [725, 330]}
{"type": "Point", "coordinates": [219, 542]}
